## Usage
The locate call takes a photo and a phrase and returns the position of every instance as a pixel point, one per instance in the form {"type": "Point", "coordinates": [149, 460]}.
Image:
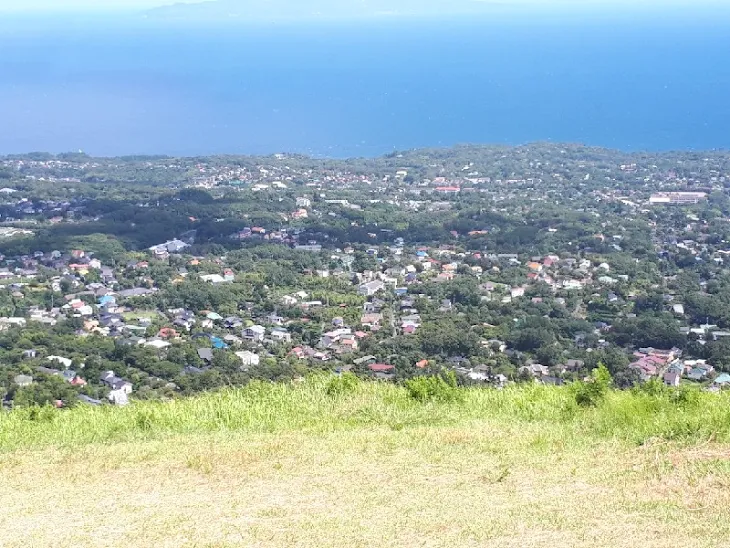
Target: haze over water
{"type": "Point", "coordinates": [132, 86]}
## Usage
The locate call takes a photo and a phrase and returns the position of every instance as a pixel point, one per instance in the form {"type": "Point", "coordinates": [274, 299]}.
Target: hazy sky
{"type": "Point", "coordinates": [54, 5]}
{"type": "Point", "coordinates": [75, 5]}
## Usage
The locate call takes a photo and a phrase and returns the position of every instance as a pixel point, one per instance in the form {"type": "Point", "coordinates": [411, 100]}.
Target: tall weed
{"type": "Point", "coordinates": [440, 388]}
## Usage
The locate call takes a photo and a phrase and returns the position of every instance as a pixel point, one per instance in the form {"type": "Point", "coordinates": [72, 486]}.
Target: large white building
{"type": "Point", "coordinates": [677, 197]}
{"type": "Point", "coordinates": [248, 358]}
{"type": "Point", "coordinates": [371, 288]}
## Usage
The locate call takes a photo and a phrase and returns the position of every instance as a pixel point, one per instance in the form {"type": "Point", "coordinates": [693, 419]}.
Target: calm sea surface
{"type": "Point", "coordinates": [123, 88]}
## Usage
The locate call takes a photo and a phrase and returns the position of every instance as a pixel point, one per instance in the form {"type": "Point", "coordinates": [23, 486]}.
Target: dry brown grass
{"type": "Point", "coordinates": [477, 484]}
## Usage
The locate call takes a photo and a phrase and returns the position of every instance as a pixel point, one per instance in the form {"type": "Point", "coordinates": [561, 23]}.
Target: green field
{"type": "Point", "coordinates": [306, 465]}
{"type": "Point", "coordinates": [138, 314]}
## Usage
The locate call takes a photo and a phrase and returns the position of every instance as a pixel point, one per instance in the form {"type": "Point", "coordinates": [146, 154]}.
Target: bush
{"type": "Point", "coordinates": [342, 384]}
{"type": "Point", "coordinates": [686, 396]}
{"type": "Point", "coordinates": [593, 392]}
{"type": "Point", "coordinates": [442, 388]}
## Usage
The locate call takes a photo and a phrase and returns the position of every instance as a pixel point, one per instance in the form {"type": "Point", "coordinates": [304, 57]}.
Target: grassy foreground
{"type": "Point", "coordinates": [299, 465]}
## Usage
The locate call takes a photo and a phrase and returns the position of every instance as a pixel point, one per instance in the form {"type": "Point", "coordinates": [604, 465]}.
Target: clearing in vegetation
{"type": "Point", "coordinates": [349, 463]}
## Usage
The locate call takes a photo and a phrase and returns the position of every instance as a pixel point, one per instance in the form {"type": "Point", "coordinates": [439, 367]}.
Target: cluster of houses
{"type": "Point", "coordinates": [389, 304]}
{"type": "Point", "coordinates": [390, 291]}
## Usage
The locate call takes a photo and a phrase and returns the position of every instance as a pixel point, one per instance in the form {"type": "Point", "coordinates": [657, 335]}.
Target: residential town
{"type": "Point", "coordinates": [144, 279]}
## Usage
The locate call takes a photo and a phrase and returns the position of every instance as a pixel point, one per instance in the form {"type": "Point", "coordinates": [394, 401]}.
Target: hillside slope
{"type": "Point", "coordinates": [306, 465]}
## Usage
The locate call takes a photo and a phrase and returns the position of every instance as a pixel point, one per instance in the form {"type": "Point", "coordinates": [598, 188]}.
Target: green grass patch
{"type": "Point", "coordinates": [139, 314]}
{"type": "Point", "coordinates": [324, 404]}
{"type": "Point", "coordinates": [337, 461]}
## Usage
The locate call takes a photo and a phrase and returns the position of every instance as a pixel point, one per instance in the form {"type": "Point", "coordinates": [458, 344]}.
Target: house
{"type": "Point", "coordinates": [517, 292]}
{"type": "Point", "coordinates": [168, 333]}
{"type": "Point", "coordinates": [213, 278]}
{"type": "Point", "coordinates": [205, 354]}
{"type": "Point", "coordinates": [78, 381]}
{"type": "Point", "coordinates": [376, 305]}
{"type": "Point", "coordinates": [172, 246]}
{"type": "Point", "coordinates": [47, 370]}
{"type": "Point", "coordinates": [298, 352]}
{"type": "Point", "coordinates": [495, 345]}
{"type": "Point", "coordinates": [553, 381]}
{"type": "Point", "coordinates": [254, 333]}
{"type": "Point", "coordinates": [136, 292]}
{"type": "Point", "coordinates": [696, 374]}
{"type": "Point", "coordinates": [334, 336]}
{"type": "Point", "coordinates": [381, 367]}
{"type": "Point", "coordinates": [275, 319]}
{"type": "Point", "coordinates": [184, 323]}
{"type": "Point", "coordinates": [23, 380]}
{"type": "Point", "coordinates": [107, 300]}
{"type": "Point", "coordinates": [280, 335]}
{"type": "Point", "coordinates": [671, 378]}
{"type": "Point", "coordinates": [364, 360]}
{"type": "Point", "coordinates": [233, 322]}
{"type": "Point", "coordinates": [650, 360]}
{"type": "Point", "coordinates": [248, 358]}
{"type": "Point", "coordinates": [192, 370]}
{"type": "Point", "coordinates": [115, 383]}
{"type": "Point", "coordinates": [371, 288]}
{"type": "Point", "coordinates": [723, 380]}
{"type": "Point", "coordinates": [157, 343]}
{"type": "Point", "coordinates": [574, 365]}
{"type": "Point", "coordinates": [118, 397]}
{"type": "Point", "coordinates": [371, 320]}
{"type": "Point", "coordinates": [232, 339]}
{"type": "Point", "coordinates": [536, 370]}
{"type": "Point", "coordinates": [411, 319]}
{"type": "Point", "coordinates": [347, 343]}
{"type": "Point", "coordinates": [88, 400]}
{"type": "Point", "coordinates": [66, 362]}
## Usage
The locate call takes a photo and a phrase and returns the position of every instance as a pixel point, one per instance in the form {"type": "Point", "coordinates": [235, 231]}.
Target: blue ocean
{"type": "Point", "coordinates": [131, 87]}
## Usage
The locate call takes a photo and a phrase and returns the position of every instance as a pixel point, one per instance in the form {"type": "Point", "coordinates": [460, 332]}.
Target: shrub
{"type": "Point", "coordinates": [652, 387]}
{"type": "Point", "coordinates": [441, 388]}
{"type": "Point", "coordinates": [39, 413]}
{"type": "Point", "coordinates": [687, 396]}
{"type": "Point", "coordinates": [593, 392]}
{"type": "Point", "coordinates": [341, 384]}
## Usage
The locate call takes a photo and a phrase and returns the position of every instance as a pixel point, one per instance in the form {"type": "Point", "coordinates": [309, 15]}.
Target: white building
{"type": "Point", "coordinates": [280, 335]}
{"type": "Point", "coordinates": [254, 333]}
{"type": "Point", "coordinates": [212, 278]}
{"type": "Point", "coordinates": [248, 358]}
{"type": "Point", "coordinates": [371, 288]}
{"type": "Point", "coordinates": [677, 198]}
